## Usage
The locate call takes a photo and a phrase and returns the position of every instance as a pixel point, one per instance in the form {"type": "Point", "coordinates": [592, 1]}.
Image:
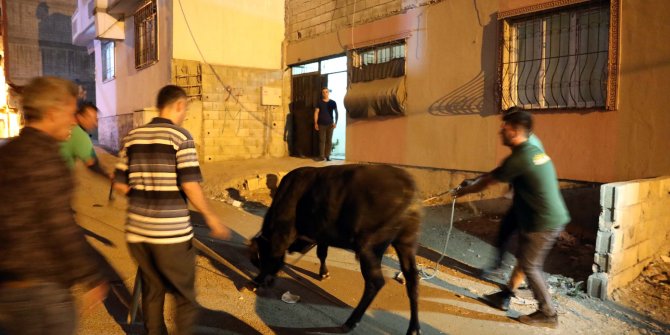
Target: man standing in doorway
{"type": "Point", "coordinates": [159, 172]}
{"type": "Point", "coordinates": [325, 122]}
{"type": "Point", "coordinates": [538, 209]}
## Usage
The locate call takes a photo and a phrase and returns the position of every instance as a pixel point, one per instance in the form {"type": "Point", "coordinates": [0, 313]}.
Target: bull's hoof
{"type": "Point", "coordinates": [413, 331]}
{"type": "Point", "coordinates": [324, 275]}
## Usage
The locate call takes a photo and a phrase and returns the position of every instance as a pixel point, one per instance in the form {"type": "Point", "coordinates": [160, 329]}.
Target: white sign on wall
{"type": "Point", "coordinates": [270, 96]}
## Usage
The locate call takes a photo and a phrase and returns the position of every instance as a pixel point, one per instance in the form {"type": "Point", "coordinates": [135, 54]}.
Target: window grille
{"type": "Point", "coordinates": [146, 35]}
{"type": "Point", "coordinates": [557, 59]}
{"type": "Point", "coordinates": [108, 71]}
{"type": "Point", "coordinates": [378, 54]}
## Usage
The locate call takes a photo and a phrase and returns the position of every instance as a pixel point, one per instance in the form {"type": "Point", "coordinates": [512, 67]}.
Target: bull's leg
{"type": "Point", "coordinates": [322, 253]}
{"type": "Point", "coordinates": [407, 257]}
{"type": "Point", "coordinates": [371, 267]}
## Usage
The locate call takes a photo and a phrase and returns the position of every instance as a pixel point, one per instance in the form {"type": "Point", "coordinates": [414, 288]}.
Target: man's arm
{"type": "Point", "coordinates": [93, 164]}
{"type": "Point", "coordinates": [477, 185]}
{"type": "Point", "coordinates": [316, 118]}
{"type": "Point", "coordinates": [197, 198]}
{"type": "Point", "coordinates": [337, 116]}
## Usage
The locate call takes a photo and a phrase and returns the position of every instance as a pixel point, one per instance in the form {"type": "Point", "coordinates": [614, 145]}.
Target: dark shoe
{"type": "Point", "coordinates": [540, 319]}
{"type": "Point", "coordinates": [328, 159]}
{"type": "Point", "coordinates": [499, 300]}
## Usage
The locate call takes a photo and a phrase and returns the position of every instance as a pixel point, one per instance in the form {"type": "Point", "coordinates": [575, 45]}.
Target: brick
{"type": "Point", "coordinates": [627, 216]}
{"type": "Point", "coordinates": [653, 209]}
{"type": "Point", "coordinates": [607, 195]}
{"type": "Point", "coordinates": [616, 241]}
{"type": "Point", "coordinates": [645, 250]}
{"type": "Point", "coordinates": [601, 261]}
{"type": "Point", "coordinates": [624, 277]}
{"type": "Point", "coordinates": [627, 194]}
{"type": "Point", "coordinates": [603, 242]}
{"type": "Point", "coordinates": [596, 286]}
{"type": "Point", "coordinates": [622, 260]}
{"type": "Point", "coordinates": [606, 219]}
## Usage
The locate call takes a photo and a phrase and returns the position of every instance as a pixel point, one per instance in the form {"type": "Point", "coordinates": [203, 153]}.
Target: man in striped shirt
{"type": "Point", "coordinates": [159, 171]}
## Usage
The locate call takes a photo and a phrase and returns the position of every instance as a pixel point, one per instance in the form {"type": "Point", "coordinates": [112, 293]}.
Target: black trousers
{"type": "Point", "coordinates": [325, 140]}
{"type": "Point", "coordinates": [508, 228]}
{"type": "Point", "coordinates": [167, 268]}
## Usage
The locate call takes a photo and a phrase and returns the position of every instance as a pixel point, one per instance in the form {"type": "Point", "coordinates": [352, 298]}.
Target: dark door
{"type": "Point", "coordinates": [306, 90]}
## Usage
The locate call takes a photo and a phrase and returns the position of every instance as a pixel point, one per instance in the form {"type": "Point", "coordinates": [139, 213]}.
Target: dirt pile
{"type": "Point", "coordinates": [650, 292]}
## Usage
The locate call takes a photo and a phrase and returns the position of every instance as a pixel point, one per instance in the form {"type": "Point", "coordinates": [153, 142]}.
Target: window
{"type": "Point", "coordinates": [378, 55]}
{"type": "Point", "coordinates": [558, 59]}
{"type": "Point", "coordinates": [305, 68]}
{"type": "Point", "coordinates": [146, 35]}
{"type": "Point", "coordinates": [108, 60]}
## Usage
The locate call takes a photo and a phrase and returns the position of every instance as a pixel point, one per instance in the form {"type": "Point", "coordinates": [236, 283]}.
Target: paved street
{"type": "Point", "coordinates": [448, 303]}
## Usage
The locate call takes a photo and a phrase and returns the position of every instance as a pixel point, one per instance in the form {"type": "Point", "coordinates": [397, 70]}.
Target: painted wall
{"type": "Point", "coordinates": [452, 117]}
{"type": "Point", "coordinates": [132, 89]}
{"type": "Point", "coordinates": [230, 32]}
{"type": "Point", "coordinates": [39, 43]}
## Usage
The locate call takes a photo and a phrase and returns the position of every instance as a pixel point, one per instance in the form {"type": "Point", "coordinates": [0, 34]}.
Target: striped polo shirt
{"type": "Point", "coordinates": [155, 160]}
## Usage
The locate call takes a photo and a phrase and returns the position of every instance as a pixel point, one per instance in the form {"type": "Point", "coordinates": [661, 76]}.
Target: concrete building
{"type": "Point", "coordinates": [227, 55]}
{"type": "Point", "coordinates": [427, 79]}
{"type": "Point", "coordinates": [38, 43]}
{"type": "Point", "coordinates": [35, 36]}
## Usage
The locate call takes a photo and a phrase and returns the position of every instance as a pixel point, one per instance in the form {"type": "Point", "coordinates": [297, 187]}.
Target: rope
{"type": "Point", "coordinates": [423, 274]}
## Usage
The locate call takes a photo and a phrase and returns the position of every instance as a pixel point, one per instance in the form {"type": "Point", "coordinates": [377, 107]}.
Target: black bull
{"type": "Point", "coordinates": [364, 208]}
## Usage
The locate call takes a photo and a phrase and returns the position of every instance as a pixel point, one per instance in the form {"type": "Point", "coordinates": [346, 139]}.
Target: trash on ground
{"type": "Point", "coordinates": [289, 298]}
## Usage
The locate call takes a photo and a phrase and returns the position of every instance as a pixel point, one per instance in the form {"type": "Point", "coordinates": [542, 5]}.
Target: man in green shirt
{"type": "Point", "coordinates": [79, 146]}
{"type": "Point", "coordinates": [538, 209]}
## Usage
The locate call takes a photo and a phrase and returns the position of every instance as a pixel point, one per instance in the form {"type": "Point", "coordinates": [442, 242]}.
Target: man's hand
{"type": "Point", "coordinates": [316, 126]}
{"type": "Point", "coordinates": [95, 296]}
{"type": "Point", "coordinates": [121, 188]}
{"type": "Point", "coordinates": [217, 229]}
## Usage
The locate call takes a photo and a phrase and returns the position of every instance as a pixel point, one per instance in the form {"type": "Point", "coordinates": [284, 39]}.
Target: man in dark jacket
{"type": "Point", "coordinates": [44, 252]}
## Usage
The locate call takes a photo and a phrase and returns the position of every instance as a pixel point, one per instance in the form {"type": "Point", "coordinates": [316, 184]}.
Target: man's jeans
{"type": "Point", "coordinates": [325, 140]}
{"type": "Point", "coordinates": [533, 250]}
{"type": "Point", "coordinates": [44, 308]}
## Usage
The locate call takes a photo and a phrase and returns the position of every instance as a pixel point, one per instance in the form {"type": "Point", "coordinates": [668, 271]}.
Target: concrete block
{"type": "Point", "coordinates": [603, 242]}
{"type": "Point", "coordinates": [616, 241]}
{"type": "Point", "coordinates": [596, 285]}
{"type": "Point", "coordinates": [653, 209]}
{"type": "Point", "coordinates": [621, 261]}
{"type": "Point", "coordinates": [606, 219]}
{"type": "Point", "coordinates": [645, 250]}
{"type": "Point", "coordinates": [627, 215]}
{"type": "Point", "coordinates": [627, 194]}
{"type": "Point", "coordinates": [624, 277]}
{"type": "Point", "coordinates": [607, 195]}
{"type": "Point", "coordinates": [601, 261]}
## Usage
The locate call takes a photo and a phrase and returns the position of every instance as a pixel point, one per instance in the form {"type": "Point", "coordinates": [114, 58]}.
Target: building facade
{"type": "Point", "coordinates": [428, 79]}
{"type": "Point", "coordinates": [225, 54]}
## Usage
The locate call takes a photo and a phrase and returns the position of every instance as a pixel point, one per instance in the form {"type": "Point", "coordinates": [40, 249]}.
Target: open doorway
{"type": "Point", "coordinates": [336, 70]}
{"type": "Point", "coordinates": [308, 79]}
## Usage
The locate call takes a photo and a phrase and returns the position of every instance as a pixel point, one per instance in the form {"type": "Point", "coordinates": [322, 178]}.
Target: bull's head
{"type": "Point", "coordinates": [267, 261]}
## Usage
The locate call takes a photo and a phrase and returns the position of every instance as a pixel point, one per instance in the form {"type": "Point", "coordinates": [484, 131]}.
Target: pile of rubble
{"type": "Point", "coordinates": [650, 292]}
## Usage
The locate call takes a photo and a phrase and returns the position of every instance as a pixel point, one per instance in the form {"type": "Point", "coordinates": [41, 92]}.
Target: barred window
{"type": "Point", "coordinates": [108, 71]}
{"type": "Point", "coordinates": [557, 60]}
{"type": "Point", "coordinates": [146, 35]}
{"type": "Point", "coordinates": [378, 55]}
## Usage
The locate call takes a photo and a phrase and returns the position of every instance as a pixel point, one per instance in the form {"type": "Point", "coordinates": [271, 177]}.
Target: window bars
{"type": "Point", "coordinates": [557, 60]}
{"type": "Point", "coordinates": [146, 35]}
{"type": "Point", "coordinates": [108, 72]}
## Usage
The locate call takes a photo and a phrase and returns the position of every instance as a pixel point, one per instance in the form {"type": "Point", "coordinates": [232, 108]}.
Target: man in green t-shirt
{"type": "Point", "coordinates": [79, 146]}
{"type": "Point", "coordinates": [508, 224]}
{"type": "Point", "coordinates": [538, 209]}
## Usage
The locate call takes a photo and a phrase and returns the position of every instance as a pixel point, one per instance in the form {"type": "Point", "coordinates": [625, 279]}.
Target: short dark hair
{"type": "Point", "coordinates": [517, 117]}
{"type": "Point", "coordinates": [82, 106]}
{"type": "Point", "coordinates": [168, 95]}
{"type": "Point", "coordinates": [325, 88]}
